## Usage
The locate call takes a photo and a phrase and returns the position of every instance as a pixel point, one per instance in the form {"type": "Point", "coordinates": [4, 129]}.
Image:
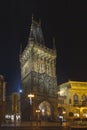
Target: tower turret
{"type": "Point", "coordinates": [36, 32]}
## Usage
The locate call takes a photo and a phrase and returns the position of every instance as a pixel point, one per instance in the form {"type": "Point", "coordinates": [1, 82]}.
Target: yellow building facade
{"type": "Point", "coordinates": [72, 100]}
{"type": "Point", "coordinates": [15, 103]}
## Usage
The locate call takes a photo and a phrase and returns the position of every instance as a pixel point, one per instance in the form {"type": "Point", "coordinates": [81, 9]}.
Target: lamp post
{"type": "Point", "coordinates": [38, 121]}
{"type": "Point", "coordinates": [38, 111]}
{"type": "Point", "coordinates": [30, 97]}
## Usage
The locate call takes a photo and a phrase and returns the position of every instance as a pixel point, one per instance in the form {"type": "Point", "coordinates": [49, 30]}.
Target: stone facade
{"type": "Point", "coordinates": [38, 75]}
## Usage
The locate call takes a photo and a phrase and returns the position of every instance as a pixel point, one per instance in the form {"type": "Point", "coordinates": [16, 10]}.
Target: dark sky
{"type": "Point", "coordinates": [65, 20]}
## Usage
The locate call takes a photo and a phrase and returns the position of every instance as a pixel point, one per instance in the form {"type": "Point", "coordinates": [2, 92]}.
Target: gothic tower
{"type": "Point", "coordinates": [38, 76]}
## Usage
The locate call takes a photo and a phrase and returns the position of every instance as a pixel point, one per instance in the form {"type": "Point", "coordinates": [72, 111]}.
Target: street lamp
{"type": "Point", "coordinates": [31, 109]}
{"type": "Point", "coordinates": [38, 111]}
{"type": "Point", "coordinates": [30, 97]}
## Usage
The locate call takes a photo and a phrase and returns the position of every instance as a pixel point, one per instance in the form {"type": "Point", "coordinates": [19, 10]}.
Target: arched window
{"type": "Point", "coordinates": [84, 100]}
{"type": "Point", "coordinates": [75, 99]}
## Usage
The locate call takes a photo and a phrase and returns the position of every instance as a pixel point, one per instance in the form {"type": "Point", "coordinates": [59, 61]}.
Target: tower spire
{"type": "Point", "coordinates": [36, 33]}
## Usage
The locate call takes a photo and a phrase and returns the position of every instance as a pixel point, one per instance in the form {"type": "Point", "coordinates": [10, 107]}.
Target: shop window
{"type": "Point", "coordinates": [76, 113]}
{"type": "Point", "coordinates": [85, 113]}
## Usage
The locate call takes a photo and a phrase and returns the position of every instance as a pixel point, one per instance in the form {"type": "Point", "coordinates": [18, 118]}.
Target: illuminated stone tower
{"type": "Point", "coordinates": [38, 76]}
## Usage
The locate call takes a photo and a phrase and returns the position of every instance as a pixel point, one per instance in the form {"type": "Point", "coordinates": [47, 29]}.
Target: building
{"type": "Point", "coordinates": [13, 113]}
{"type": "Point", "coordinates": [38, 76]}
{"type": "Point", "coordinates": [72, 100]}
{"type": "Point", "coordinates": [2, 98]}
{"type": "Point", "coordinates": [16, 105]}
{"type": "Point", "coordinates": [8, 112]}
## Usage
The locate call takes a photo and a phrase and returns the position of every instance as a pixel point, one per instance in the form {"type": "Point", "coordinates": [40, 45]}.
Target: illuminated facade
{"type": "Point", "coordinates": [38, 75]}
{"type": "Point", "coordinates": [13, 112]}
{"type": "Point", "coordinates": [15, 103]}
{"type": "Point", "coordinates": [2, 98]}
{"type": "Point", "coordinates": [72, 100]}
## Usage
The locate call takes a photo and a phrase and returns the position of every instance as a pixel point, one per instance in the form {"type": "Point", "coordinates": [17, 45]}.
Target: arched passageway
{"type": "Point", "coordinates": [45, 110]}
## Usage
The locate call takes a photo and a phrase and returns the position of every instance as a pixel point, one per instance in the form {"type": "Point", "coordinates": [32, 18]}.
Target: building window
{"type": "Point", "coordinates": [70, 101]}
{"type": "Point", "coordinates": [76, 100]}
{"type": "Point", "coordinates": [84, 100]}
{"type": "Point", "coordinates": [84, 113]}
{"type": "Point", "coordinates": [76, 113]}
{"type": "Point", "coordinates": [71, 114]}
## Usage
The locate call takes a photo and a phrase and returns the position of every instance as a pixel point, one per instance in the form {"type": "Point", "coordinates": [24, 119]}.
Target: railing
{"type": "Point", "coordinates": [80, 104]}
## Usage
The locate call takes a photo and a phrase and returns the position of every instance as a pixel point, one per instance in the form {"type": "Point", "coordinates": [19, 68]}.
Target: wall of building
{"type": "Point", "coordinates": [2, 98]}
{"type": "Point", "coordinates": [75, 101]}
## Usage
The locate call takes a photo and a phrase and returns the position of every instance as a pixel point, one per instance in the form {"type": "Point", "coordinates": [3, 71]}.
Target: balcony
{"type": "Point", "coordinates": [80, 104]}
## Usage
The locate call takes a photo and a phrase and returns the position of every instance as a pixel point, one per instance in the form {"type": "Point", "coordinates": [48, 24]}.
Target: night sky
{"type": "Point", "coordinates": [65, 20]}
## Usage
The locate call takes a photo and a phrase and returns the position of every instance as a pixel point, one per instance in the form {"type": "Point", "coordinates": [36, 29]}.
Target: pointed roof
{"type": "Point", "coordinates": [36, 32]}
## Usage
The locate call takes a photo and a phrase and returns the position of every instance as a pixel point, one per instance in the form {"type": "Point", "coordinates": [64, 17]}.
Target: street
{"type": "Point", "coordinates": [33, 126]}
{"type": "Point", "coordinates": [40, 126]}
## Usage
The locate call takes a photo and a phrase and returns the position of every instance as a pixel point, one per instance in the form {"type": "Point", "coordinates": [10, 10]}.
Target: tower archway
{"type": "Point", "coordinates": [45, 110]}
